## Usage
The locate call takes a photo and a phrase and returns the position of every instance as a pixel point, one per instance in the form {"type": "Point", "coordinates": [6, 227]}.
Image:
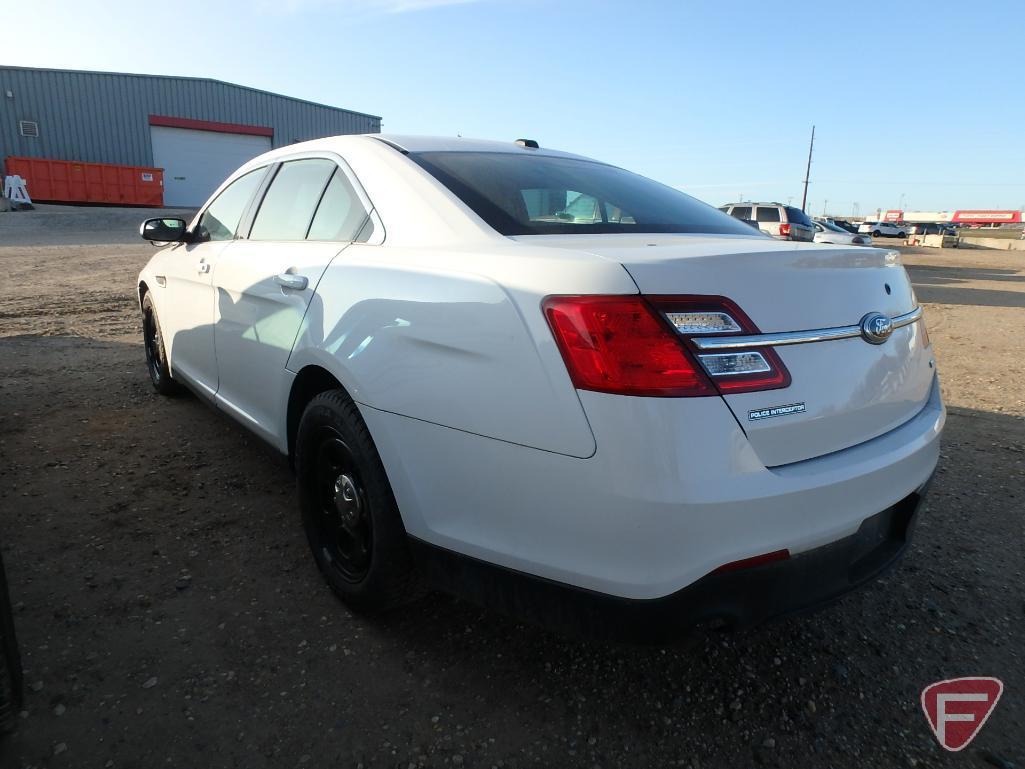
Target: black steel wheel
{"type": "Point", "coordinates": [349, 512]}
{"type": "Point", "coordinates": [156, 355]}
{"type": "Point", "coordinates": [346, 532]}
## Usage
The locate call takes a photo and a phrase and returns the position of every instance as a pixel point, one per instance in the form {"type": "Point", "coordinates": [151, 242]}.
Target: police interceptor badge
{"type": "Point", "coordinates": [776, 411]}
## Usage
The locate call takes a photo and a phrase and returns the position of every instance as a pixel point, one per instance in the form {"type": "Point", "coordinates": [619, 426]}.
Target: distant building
{"type": "Point", "coordinates": [197, 130]}
{"type": "Point", "coordinates": [959, 216]}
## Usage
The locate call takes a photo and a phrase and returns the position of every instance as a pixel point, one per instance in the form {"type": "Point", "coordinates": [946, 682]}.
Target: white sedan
{"type": "Point", "coordinates": [551, 385]}
{"type": "Point", "coordinates": [883, 229]}
{"type": "Point", "coordinates": [830, 233]}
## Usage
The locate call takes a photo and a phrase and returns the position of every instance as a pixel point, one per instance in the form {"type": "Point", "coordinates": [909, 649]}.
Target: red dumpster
{"type": "Point", "coordinates": [69, 181]}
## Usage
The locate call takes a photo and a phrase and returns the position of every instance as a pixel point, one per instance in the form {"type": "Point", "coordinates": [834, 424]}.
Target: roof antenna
{"type": "Point", "coordinates": [530, 144]}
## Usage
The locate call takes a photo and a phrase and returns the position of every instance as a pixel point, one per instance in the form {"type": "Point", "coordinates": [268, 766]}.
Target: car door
{"type": "Point", "coordinates": [186, 300]}
{"type": "Point", "coordinates": [264, 283]}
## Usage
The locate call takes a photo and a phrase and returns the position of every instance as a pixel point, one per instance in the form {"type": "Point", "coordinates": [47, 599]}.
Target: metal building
{"type": "Point", "coordinates": [197, 130]}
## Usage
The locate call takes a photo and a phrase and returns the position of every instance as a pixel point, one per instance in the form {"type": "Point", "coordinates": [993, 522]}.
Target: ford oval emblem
{"type": "Point", "coordinates": [876, 328]}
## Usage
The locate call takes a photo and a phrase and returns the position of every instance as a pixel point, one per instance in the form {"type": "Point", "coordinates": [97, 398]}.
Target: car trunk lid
{"type": "Point", "coordinates": [842, 391]}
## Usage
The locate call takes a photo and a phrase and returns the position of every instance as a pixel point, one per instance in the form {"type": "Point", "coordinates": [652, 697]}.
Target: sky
{"type": "Point", "coordinates": [917, 105]}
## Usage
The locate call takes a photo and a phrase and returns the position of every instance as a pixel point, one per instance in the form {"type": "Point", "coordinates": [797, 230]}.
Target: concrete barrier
{"type": "Point", "coordinates": [1004, 244]}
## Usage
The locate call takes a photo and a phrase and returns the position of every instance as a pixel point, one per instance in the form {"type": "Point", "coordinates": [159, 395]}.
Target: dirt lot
{"type": "Point", "coordinates": [170, 615]}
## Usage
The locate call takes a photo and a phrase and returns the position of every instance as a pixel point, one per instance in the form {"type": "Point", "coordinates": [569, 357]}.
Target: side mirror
{"type": "Point", "coordinates": [163, 230]}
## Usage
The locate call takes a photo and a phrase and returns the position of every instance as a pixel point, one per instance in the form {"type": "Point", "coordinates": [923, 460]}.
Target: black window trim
{"type": "Point", "coordinates": [191, 231]}
{"type": "Point", "coordinates": [378, 234]}
{"type": "Point", "coordinates": [249, 214]}
{"type": "Point", "coordinates": [270, 169]}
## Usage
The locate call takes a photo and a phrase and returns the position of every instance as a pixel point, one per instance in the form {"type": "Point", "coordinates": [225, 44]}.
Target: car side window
{"type": "Point", "coordinates": [341, 213]}
{"type": "Point", "coordinates": [291, 200]}
{"type": "Point", "coordinates": [220, 219]}
{"type": "Point", "coordinates": [741, 212]}
{"type": "Point", "coordinates": [768, 214]}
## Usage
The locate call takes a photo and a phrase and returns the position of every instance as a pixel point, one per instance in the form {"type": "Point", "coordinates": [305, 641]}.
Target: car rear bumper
{"type": "Point", "coordinates": [736, 599]}
{"type": "Point", "coordinates": [674, 492]}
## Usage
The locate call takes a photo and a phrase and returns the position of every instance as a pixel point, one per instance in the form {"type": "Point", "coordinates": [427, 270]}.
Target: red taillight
{"type": "Point", "coordinates": [634, 345]}
{"type": "Point", "coordinates": [617, 344]}
{"type": "Point", "coordinates": [784, 230]}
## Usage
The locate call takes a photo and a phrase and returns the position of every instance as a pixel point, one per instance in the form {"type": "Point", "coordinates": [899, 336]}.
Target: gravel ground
{"type": "Point", "coordinates": [170, 614]}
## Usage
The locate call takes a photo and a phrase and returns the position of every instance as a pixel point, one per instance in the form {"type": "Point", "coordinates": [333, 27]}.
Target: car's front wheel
{"type": "Point", "coordinates": [351, 519]}
{"type": "Point", "coordinates": [156, 352]}
{"type": "Point", "coordinates": [876, 233]}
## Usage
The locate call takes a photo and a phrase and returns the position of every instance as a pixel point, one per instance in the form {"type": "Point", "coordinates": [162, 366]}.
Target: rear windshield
{"type": "Point", "coordinates": [521, 194]}
{"type": "Point", "coordinates": [796, 215]}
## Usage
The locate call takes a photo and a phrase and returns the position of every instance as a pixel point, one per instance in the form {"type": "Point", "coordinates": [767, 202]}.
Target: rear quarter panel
{"type": "Point", "coordinates": [428, 335]}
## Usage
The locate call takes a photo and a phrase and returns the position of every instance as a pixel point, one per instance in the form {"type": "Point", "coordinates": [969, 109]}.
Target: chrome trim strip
{"type": "Point", "coordinates": [796, 337]}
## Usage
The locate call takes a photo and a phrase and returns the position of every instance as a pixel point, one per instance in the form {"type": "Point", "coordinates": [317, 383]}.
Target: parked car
{"type": "Point", "coordinates": [830, 233]}
{"type": "Point", "coordinates": [11, 692]}
{"type": "Point", "coordinates": [841, 223]}
{"type": "Point", "coordinates": [551, 385]}
{"type": "Point", "coordinates": [883, 229]}
{"type": "Point", "coordinates": [775, 219]}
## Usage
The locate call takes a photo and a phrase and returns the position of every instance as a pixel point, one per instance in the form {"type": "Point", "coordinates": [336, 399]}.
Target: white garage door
{"type": "Point", "coordinates": [196, 162]}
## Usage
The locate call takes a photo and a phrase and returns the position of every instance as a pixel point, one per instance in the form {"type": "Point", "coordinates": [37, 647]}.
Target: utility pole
{"type": "Point", "coordinates": [807, 172]}
{"type": "Point", "coordinates": [824, 204]}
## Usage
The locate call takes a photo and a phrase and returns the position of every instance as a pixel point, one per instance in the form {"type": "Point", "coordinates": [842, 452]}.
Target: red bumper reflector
{"type": "Point", "coordinates": [755, 560]}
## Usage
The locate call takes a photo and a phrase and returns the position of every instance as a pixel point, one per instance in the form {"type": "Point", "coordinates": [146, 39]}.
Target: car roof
{"type": "Point", "coordinates": [460, 144]}
{"type": "Point", "coordinates": [407, 144]}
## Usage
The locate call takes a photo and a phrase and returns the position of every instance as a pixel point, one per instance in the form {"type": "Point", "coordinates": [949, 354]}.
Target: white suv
{"type": "Point", "coordinates": [775, 219]}
{"type": "Point", "coordinates": [883, 229]}
{"type": "Point", "coordinates": [547, 383]}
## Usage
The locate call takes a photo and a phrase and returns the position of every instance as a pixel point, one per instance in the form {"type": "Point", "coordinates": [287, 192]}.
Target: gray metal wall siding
{"type": "Point", "coordinates": [104, 118]}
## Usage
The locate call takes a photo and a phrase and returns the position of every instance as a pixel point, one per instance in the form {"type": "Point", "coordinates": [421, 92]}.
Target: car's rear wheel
{"type": "Point", "coordinates": [902, 234]}
{"type": "Point", "coordinates": [876, 233]}
{"type": "Point", "coordinates": [351, 519]}
{"type": "Point", "coordinates": [156, 354]}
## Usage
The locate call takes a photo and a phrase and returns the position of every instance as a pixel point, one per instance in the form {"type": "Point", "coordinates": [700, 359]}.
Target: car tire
{"type": "Point", "coordinates": [156, 352]}
{"type": "Point", "coordinates": [348, 510]}
{"type": "Point", "coordinates": [10, 663]}
{"type": "Point", "coordinates": [876, 233]}
{"type": "Point", "coordinates": [902, 234]}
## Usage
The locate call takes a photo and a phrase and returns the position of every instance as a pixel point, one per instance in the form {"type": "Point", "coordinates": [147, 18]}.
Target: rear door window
{"type": "Point", "coordinates": [741, 212]}
{"type": "Point", "coordinates": [340, 214]}
{"type": "Point", "coordinates": [768, 214]}
{"type": "Point", "coordinates": [288, 207]}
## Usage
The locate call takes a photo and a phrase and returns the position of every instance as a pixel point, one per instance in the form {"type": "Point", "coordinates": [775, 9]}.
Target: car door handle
{"type": "Point", "coordinates": [202, 268]}
{"type": "Point", "coordinates": [294, 282]}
